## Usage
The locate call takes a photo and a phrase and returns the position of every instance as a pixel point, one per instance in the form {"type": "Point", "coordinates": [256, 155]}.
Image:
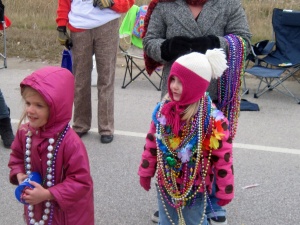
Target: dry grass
{"type": "Point", "coordinates": [259, 15]}
{"type": "Point", "coordinates": [33, 32]}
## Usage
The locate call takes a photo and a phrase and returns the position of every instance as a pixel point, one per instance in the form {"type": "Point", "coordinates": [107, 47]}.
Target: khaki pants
{"type": "Point", "coordinates": [103, 42]}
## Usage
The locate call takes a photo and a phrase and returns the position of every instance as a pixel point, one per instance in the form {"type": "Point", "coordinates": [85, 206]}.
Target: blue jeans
{"type": "Point", "coordinates": [212, 208]}
{"type": "Point", "coordinates": [4, 111]}
{"type": "Point", "coordinates": [192, 215]}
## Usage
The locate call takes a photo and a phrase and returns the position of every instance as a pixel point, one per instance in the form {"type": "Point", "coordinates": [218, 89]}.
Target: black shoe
{"type": "Point", "coordinates": [219, 220]}
{"type": "Point", "coordinates": [6, 132]}
{"type": "Point", "coordinates": [105, 139]}
{"type": "Point", "coordinates": [80, 134]}
{"type": "Point", "coordinates": [155, 217]}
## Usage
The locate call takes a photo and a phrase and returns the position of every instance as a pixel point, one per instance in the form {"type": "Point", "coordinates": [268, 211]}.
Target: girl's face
{"type": "Point", "coordinates": [176, 88]}
{"type": "Point", "coordinates": [37, 110]}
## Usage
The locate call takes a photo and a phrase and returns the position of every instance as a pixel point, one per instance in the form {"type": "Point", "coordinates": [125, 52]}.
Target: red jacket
{"type": "Point", "coordinates": [64, 7]}
{"type": "Point", "coordinates": [73, 189]}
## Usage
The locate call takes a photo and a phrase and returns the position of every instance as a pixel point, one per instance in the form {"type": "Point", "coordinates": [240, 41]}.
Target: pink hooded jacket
{"type": "Point", "coordinates": [73, 189]}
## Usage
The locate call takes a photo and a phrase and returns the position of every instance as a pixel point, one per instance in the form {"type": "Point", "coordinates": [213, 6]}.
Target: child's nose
{"type": "Point", "coordinates": [30, 109]}
{"type": "Point", "coordinates": [176, 85]}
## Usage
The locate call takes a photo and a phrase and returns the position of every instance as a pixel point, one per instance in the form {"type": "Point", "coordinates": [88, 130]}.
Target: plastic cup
{"type": "Point", "coordinates": [33, 176]}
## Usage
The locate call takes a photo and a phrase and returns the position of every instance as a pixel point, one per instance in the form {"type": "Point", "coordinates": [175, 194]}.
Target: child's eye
{"type": "Point", "coordinates": [40, 105]}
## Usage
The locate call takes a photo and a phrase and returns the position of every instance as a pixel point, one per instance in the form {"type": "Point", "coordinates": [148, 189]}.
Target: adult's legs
{"type": "Point", "coordinates": [82, 57]}
{"type": "Point", "coordinates": [106, 39]}
{"type": "Point", "coordinates": [6, 131]}
{"type": "Point", "coordinates": [4, 111]}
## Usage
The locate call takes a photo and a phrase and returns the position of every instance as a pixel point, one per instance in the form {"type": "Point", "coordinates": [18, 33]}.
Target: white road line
{"type": "Point", "coordinates": [267, 148]}
{"type": "Point", "coordinates": [235, 145]}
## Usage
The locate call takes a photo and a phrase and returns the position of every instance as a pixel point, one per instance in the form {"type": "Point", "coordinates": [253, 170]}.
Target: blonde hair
{"type": "Point", "coordinates": [26, 91]}
{"type": "Point", "coordinates": [190, 110]}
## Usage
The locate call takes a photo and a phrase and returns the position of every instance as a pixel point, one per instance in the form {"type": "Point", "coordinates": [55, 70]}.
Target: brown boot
{"type": "Point", "coordinates": [6, 132]}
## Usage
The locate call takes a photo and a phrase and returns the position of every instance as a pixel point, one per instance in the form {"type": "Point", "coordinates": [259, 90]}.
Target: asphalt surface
{"type": "Point", "coordinates": [266, 155]}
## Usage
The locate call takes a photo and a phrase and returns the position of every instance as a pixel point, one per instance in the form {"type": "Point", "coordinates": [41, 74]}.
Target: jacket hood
{"type": "Point", "coordinates": [56, 85]}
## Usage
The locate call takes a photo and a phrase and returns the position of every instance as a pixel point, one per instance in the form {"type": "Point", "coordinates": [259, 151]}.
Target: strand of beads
{"type": "Point", "coordinates": [48, 211]}
{"type": "Point", "coordinates": [229, 84]}
{"type": "Point", "coordinates": [165, 207]}
{"type": "Point", "coordinates": [166, 174]}
{"type": "Point", "coordinates": [28, 168]}
{"type": "Point", "coordinates": [172, 189]}
{"type": "Point", "coordinates": [28, 153]}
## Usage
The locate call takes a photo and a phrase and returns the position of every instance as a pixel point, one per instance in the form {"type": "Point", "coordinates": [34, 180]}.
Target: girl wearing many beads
{"type": "Point", "coordinates": [47, 144]}
{"type": "Point", "coordinates": [188, 142]}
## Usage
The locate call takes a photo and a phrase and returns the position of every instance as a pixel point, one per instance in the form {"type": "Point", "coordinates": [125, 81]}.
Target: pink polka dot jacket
{"type": "Point", "coordinates": [185, 159]}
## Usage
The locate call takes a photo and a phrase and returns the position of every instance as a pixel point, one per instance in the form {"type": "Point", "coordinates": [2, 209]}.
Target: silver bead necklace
{"type": "Point", "coordinates": [50, 175]}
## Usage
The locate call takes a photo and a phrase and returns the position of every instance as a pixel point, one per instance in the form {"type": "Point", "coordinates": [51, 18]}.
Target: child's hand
{"type": "Point", "coordinates": [145, 182]}
{"type": "Point", "coordinates": [21, 177]}
{"type": "Point", "coordinates": [36, 195]}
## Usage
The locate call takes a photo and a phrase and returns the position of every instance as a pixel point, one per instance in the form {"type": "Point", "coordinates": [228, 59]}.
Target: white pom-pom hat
{"type": "Point", "coordinates": [195, 70]}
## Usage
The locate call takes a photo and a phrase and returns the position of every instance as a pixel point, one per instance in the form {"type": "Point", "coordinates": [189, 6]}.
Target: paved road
{"type": "Point", "coordinates": [266, 152]}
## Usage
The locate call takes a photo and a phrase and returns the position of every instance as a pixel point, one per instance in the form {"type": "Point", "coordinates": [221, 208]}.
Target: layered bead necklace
{"type": "Point", "coordinates": [170, 166]}
{"type": "Point", "coordinates": [50, 174]}
{"type": "Point", "coordinates": [230, 82]}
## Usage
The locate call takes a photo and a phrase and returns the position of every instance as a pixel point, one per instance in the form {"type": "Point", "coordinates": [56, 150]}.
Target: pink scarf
{"type": "Point", "coordinates": [172, 111]}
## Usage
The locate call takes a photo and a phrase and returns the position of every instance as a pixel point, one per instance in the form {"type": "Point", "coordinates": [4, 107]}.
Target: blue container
{"type": "Point", "coordinates": [33, 176]}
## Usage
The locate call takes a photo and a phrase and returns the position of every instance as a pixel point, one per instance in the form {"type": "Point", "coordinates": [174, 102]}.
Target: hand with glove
{"type": "Point", "coordinates": [64, 38]}
{"type": "Point", "coordinates": [202, 44]}
{"type": "Point", "coordinates": [145, 183]}
{"type": "Point", "coordinates": [103, 3]}
{"type": "Point", "coordinates": [175, 47]}
{"type": "Point", "coordinates": [223, 202]}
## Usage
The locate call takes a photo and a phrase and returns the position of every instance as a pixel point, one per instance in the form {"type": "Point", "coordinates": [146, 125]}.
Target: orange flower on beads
{"type": "Point", "coordinates": [212, 141]}
{"type": "Point", "coordinates": [174, 142]}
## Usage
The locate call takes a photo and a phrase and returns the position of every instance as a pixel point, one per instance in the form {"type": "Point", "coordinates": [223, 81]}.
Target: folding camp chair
{"type": "Point", "coordinates": [275, 62]}
{"type": "Point", "coordinates": [258, 51]}
{"type": "Point", "coordinates": [132, 48]}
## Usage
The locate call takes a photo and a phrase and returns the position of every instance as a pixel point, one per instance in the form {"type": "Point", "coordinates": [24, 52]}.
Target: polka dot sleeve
{"type": "Point", "coordinates": [223, 166]}
{"type": "Point", "coordinates": [147, 166]}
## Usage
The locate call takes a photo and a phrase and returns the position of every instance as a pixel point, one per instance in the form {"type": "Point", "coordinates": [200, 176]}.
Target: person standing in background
{"type": "Point", "coordinates": [177, 27]}
{"type": "Point", "coordinates": [94, 26]}
{"type": "Point", "coordinates": [6, 131]}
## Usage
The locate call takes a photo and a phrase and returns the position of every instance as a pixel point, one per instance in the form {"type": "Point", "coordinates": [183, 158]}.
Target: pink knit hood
{"type": "Point", "coordinates": [56, 85]}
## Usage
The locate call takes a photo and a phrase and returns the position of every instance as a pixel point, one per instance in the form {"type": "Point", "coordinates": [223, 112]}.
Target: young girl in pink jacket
{"type": "Point", "coordinates": [46, 144]}
{"type": "Point", "coordinates": [188, 142]}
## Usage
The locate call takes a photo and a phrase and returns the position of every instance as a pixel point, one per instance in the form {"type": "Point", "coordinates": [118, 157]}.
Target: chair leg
{"type": "Point", "coordinates": [156, 87]}
{"type": "Point", "coordinates": [160, 81]}
{"type": "Point", "coordinates": [279, 81]}
{"type": "Point", "coordinates": [245, 90]}
{"type": "Point", "coordinates": [129, 68]}
{"type": "Point", "coordinates": [3, 55]}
